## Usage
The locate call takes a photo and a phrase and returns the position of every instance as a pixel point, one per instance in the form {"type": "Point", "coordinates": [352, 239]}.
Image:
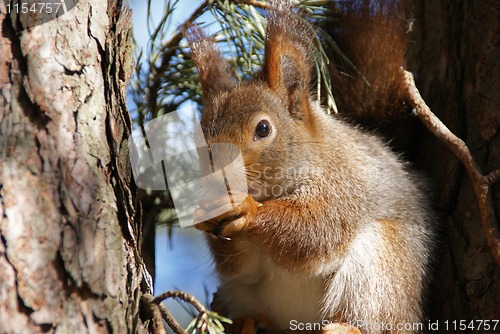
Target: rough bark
{"type": "Point", "coordinates": [68, 250]}
{"type": "Point", "coordinates": [455, 55]}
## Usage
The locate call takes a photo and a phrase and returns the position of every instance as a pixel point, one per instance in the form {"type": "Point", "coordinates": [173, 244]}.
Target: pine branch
{"type": "Point", "coordinates": [165, 76]}
{"type": "Point", "coordinates": [254, 3]}
{"type": "Point", "coordinates": [170, 48]}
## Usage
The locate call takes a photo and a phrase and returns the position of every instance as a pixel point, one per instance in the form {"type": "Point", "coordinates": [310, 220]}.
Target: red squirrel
{"type": "Point", "coordinates": [335, 226]}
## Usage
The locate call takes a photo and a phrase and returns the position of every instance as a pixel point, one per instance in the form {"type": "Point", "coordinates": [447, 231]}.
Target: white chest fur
{"type": "Point", "coordinates": [262, 287]}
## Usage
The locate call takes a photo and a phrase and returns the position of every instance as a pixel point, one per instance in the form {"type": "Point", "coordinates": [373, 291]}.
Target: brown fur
{"type": "Point", "coordinates": [373, 36]}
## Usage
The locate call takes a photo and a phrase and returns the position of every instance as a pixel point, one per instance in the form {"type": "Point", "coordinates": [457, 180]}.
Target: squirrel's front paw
{"type": "Point", "coordinates": [235, 215]}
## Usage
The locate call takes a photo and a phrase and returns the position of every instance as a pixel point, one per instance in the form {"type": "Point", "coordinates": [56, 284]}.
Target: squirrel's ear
{"type": "Point", "coordinates": [215, 76]}
{"type": "Point", "coordinates": [288, 58]}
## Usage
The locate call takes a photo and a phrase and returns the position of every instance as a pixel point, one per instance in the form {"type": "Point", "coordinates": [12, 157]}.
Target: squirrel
{"type": "Point", "coordinates": [335, 226]}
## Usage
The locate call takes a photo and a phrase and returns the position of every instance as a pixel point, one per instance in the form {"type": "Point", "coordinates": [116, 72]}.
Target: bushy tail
{"type": "Point", "coordinates": [368, 82]}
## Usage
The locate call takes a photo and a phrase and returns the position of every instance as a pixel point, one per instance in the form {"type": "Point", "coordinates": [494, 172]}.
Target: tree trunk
{"type": "Point", "coordinates": [455, 55]}
{"type": "Point", "coordinates": [68, 222]}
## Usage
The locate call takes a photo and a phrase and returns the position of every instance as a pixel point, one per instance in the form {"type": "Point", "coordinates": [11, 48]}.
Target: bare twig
{"type": "Point", "coordinates": [493, 177]}
{"type": "Point", "coordinates": [153, 312]}
{"type": "Point", "coordinates": [185, 297]}
{"type": "Point", "coordinates": [480, 182]}
{"type": "Point", "coordinates": [182, 296]}
{"type": "Point", "coordinates": [170, 320]}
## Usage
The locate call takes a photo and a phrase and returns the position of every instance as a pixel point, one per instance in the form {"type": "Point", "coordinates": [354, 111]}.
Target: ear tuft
{"type": "Point", "coordinates": [288, 56]}
{"type": "Point", "coordinates": [215, 76]}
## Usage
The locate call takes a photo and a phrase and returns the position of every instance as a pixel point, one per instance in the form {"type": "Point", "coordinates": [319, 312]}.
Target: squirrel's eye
{"type": "Point", "coordinates": [263, 129]}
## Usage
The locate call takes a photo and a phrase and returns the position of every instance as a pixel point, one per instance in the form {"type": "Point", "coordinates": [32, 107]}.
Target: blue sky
{"type": "Point", "coordinates": [182, 262]}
